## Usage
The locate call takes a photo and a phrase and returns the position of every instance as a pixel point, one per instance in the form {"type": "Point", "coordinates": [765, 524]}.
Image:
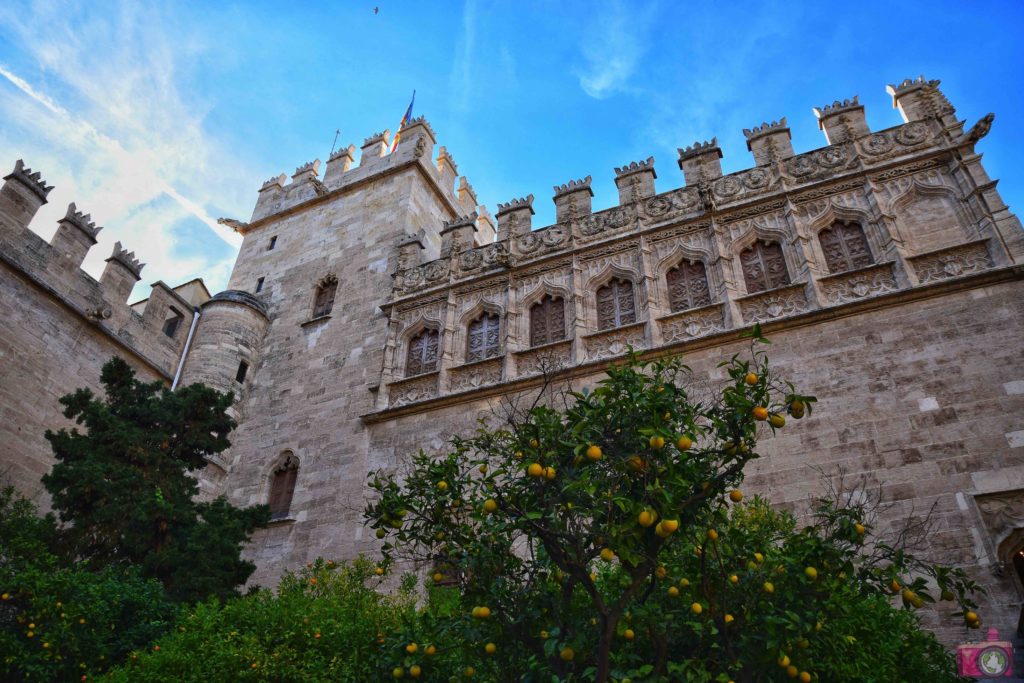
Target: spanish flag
{"type": "Point", "coordinates": [405, 120]}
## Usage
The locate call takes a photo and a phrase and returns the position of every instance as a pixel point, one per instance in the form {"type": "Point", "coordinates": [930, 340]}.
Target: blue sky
{"type": "Point", "coordinates": [158, 118]}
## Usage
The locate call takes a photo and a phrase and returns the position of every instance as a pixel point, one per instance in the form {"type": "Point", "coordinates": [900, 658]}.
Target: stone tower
{"type": "Point", "coordinates": [379, 310]}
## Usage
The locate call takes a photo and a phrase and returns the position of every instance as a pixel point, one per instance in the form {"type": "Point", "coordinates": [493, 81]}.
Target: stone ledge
{"type": "Point", "coordinates": [544, 358]}
{"type": "Point", "coordinates": [313, 321]}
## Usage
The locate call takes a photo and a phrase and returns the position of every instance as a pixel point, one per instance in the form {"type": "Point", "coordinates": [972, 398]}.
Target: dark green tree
{"type": "Point", "coordinates": [125, 491]}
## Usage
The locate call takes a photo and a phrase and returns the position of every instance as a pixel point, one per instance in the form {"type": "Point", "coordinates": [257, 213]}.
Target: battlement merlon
{"type": "Point", "coordinates": [701, 162]}
{"type": "Point", "coordinates": [307, 172]}
{"type": "Point", "coordinates": [918, 99]}
{"type": "Point", "coordinates": [458, 234]}
{"type": "Point", "coordinates": [515, 217]}
{"type": "Point", "coordinates": [573, 200]}
{"type": "Point", "coordinates": [22, 194]}
{"type": "Point", "coordinates": [769, 142]}
{"type": "Point", "coordinates": [635, 181]}
{"type": "Point", "coordinates": [447, 171]}
{"type": "Point", "coordinates": [121, 273]}
{"type": "Point", "coordinates": [842, 121]}
{"type": "Point", "coordinates": [76, 234]}
{"type": "Point", "coordinates": [466, 195]}
{"type": "Point", "coordinates": [375, 148]}
{"type": "Point", "coordinates": [337, 164]}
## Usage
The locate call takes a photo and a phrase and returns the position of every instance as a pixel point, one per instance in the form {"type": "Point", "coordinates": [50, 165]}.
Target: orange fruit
{"type": "Point", "coordinates": [430, 651]}
{"type": "Point", "coordinates": [696, 608]}
{"type": "Point", "coordinates": [657, 442]}
{"type": "Point", "coordinates": [567, 654]}
{"type": "Point", "coordinates": [661, 572]}
{"type": "Point", "coordinates": [398, 672]}
{"type": "Point", "coordinates": [784, 661]}
{"type": "Point", "coordinates": [805, 677]}
{"type": "Point", "coordinates": [490, 505]}
{"type": "Point", "coordinates": [469, 672]}
{"type": "Point", "coordinates": [490, 648]}
{"type": "Point", "coordinates": [811, 573]}
{"type": "Point", "coordinates": [549, 473]}
{"type": "Point", "coordinates": [792, 671]}
{"type": "Point", "coordinates": [442, 485]}
{"type": "Point", "coordinates": [535, 470]}
{"type": "Point", "coordinates": [379, 571]}
{"type": "Point", "coordinates": [647, 518]}
{"type": "Point", "coordinates": [415, 670]}
{"type": "Point", "coordinates": [534, 443]}
{"type": "Point", "coordinates": [594, 452]}
{"type": "Point", "coordinates": [736, 495]}
{"type": "Point", "coordinates": [734, 579]}
{"type": "Point", "coordinates": [729, 618]}
{"type": "Point", "coordinates": [684, 443]}
{"type": "Point", "coordinates": [859, 528]}
{"type": "Point", "coordinates": [768, 587]}
{"type": "Point", "coordinates": [750, 379]}
{"type": "Point", "coordinates": [673, 592]}
{"type": "Point", "coordinates": [760, 413]}
{"type": "Point", "coordinates": [636, 463]}
{"type": "Point", "coordinates": [628, 634]}
{"type": "Point", "coordinates": [411, 648]}
{"type": "Point", "coordinates": [777, 420]}
{"type": "Point", "coordinates": [607, 554]}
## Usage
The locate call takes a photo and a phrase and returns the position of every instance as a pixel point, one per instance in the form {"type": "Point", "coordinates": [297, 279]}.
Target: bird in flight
{"type": "Point", "coordinates": [376, 10]}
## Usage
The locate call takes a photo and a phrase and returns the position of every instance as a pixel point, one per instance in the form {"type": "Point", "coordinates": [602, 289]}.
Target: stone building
{"type": "Point", "coordinates": [379, 309]}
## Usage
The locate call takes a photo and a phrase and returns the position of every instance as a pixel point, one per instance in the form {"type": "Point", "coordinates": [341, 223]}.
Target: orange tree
{"type": "Point", "coordinates": [563, 531]}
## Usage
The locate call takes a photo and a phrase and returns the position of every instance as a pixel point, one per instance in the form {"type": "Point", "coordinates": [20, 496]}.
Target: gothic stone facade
{"type": "Point", "coordinates": [379, 310]}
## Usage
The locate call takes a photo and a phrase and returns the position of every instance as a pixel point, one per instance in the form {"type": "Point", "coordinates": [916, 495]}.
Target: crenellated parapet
{"type": "Point", "coordinates": [149, 330]}
{"type": "Point", "coordinates": [869, 216]}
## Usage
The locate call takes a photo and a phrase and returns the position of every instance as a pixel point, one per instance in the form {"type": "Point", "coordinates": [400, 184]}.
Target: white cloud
{"type": "Point", "coordinates": [461, 78]}
{"type": "Point", "coordinates": [101, 107]}
{"type": "Point", "coordinates": [613, 45]}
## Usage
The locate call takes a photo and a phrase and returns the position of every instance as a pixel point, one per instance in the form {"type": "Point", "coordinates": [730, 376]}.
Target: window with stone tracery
{"type": "Point", "coordinates": [282, 486]}
{"type": "Point", "coordinates": [323, 301]}
{"type": "Point", "coordinates": [547, 321]}
{"type": "Point", "coordinates": [764, 267]}
{"type": "Point", "coordinates": [483, 340]}
{"type": "Point", "coordinates": [688, 286]}
{"type": "Point", "coordinates": [615, 304]}
{"type": "Point", "coordinates": [845, 247]}
{"type": "Point", "coordinates": [422, 355]}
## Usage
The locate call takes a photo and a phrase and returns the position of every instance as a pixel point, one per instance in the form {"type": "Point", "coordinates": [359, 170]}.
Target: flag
{"type": "Point", "coordinates": [405, 120]}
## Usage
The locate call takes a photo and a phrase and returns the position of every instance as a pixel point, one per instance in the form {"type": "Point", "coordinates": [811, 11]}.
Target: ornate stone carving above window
{"type": "Point", "coordinates": [483, 339]}
{"type": "Point", "coordinates": [475, 375]}
{"type": "Point", "coordinates": [616, 305]}
{"type": "Point", "coordinates": [547, 321]}
{"type": "Point", "coordinates": [764, 267]}
{"type": "Point", "coordinates": [845, 247]}
{"type": "Point", "coordinates": [422, 354]}
{"type": "Point", "coordinates": [688, 286]}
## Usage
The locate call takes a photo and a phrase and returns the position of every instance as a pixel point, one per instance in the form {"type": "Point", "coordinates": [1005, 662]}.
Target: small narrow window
{"type": "Point", "coordinates": [484, 340]}
{"type": "Point", "coordinates": [615, 305]}
{"type": "Point", "coordinates": [547, 321]}
{"type": "Point", "coordinates": [323, 298]}
{"type": "Point", "coordinates": [273, 243]}
{"type": "Point", "coordinates": [688, 286]}
{"type": "Point", "coordinates": [422, 356]}
{"type": "Point", "coordinates": [282, 487]}
{"type": "Point", "coordinates": [243, 368]}
{"type": "Point", "coordinates": [173, 322]}
{"type": "Point", "coordinates": [845, 247]}
{"type": "Point", "coordinates": [764, 267]}
{"type": "Point", "coordinates": [259, 285]}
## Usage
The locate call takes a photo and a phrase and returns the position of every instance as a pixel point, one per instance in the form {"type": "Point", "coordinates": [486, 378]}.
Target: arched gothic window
{"type": "Point", "coordinates": [764, 267]}
{"type": "Point", "coordinates": [422, 356]}
{"type": "Point", "coordinates": [845, 247]}
{"type": "Point", "coordinates": [483, 340]}
{"type": "Point", "coordinates": [615, 304]}
{"type": "Point", "coordinates": [688, 286]}
{"type": "Point", "coordinates": [323, 301]}
{"type": "Point", "coordinates": [282, 486]}
{"type": "Point", "coordinates": [547, 321]}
